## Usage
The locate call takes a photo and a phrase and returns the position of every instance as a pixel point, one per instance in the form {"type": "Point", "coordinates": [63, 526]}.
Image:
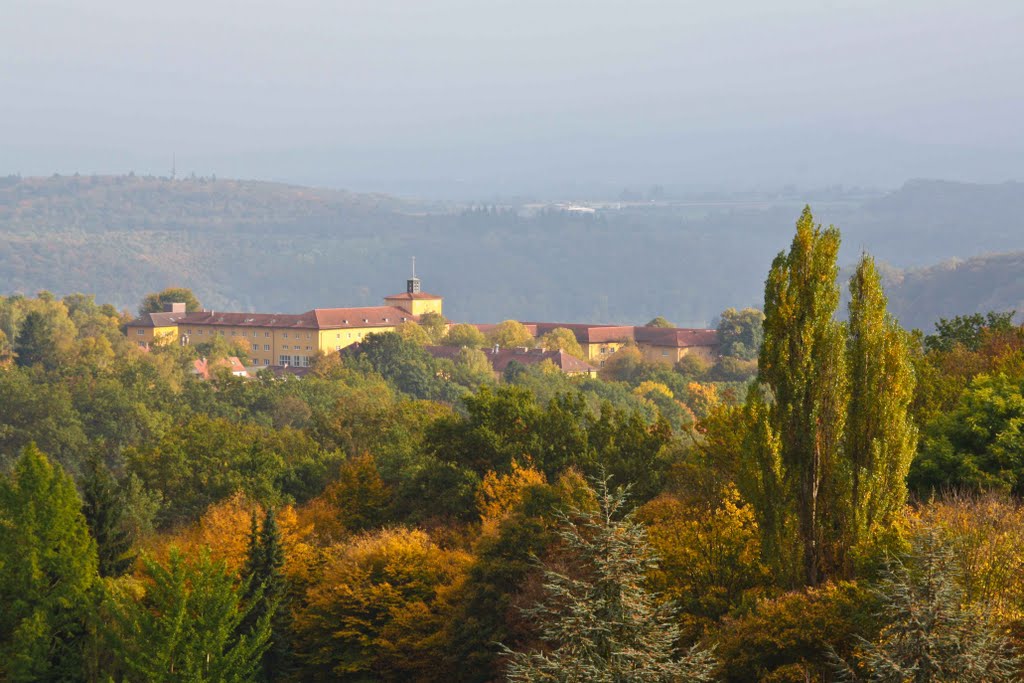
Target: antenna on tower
{"type": "Point", "coordinates": [414, 266]}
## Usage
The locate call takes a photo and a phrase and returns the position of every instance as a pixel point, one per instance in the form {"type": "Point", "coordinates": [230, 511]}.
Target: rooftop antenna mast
{"type": "Point", "coordinates": [414, 267]}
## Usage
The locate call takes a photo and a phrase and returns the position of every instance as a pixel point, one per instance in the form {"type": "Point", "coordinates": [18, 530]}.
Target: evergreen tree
{"type": "Point", "coordinates": [34, 343]}
{"type": "Point", "coordinates": [881, 438]}
{"type": "Point", "coordinates": [802, 366]}
{"type": "Point", "coordinates": [47, 573]}
{"type": "Point", "coordinates": [929, 635]}
{"type": "Point", "coordinates": [104, 507]}
{"type": "Point", "coordinates": [599, 621]}
{"type": "Point", "coordinates": [267, 593]}
{"type": "Point", "coordinates": [186, 627]}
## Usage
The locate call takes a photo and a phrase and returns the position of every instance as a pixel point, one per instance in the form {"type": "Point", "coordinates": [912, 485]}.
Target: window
{"type": "Point", "coordinates": [266, 334]}
{"type": "Point", "coordinates": [199, 331]}
{"type": "Point", "coordinates": [285, 335]}
{"type": "Point", "coordinates": [305, 361]}
{"type": "Point", "coordinates": [266, 347]}
{"type": "Point", "coordinates": [309, 348]}
{"type": "Point", "coordinates": [233, 333]}
{"type": "Point", "coordinates": [189, 331]}
{"type": "Point", "coordinates": [142, 345]}
{"type": "Point", "coordinates": [338, 336]}
{"type": "Point", "coordinates": [308, 336]}
{"type": "Point", "coordinates": [140, 331]}
{"type": "Point", "coordinates": [337, 348]}
{"type": "Point", "coordinates": [266, 361]}
{"type": "Point", "coordinates": [284, 360]}
{"type": "Point", "coordinates": [664, 352]}
{"type": "Point", "coordinates": [255, 347]}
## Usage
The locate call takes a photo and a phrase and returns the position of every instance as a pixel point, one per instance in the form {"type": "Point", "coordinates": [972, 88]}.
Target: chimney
{"type": "Point", "coordinates": [176, 307]}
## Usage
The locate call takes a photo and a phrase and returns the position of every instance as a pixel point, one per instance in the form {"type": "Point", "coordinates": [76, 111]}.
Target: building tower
{"type": "Point", "coordinates": [413, 300]}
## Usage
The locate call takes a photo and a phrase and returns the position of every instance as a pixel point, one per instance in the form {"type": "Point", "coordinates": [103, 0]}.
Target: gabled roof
{"type": "Point", "coordinates": [407, 296]}
{"type": "Point", "coordinates": [501, 358]}
{"type": "Point", "coordinates": [676, 337]}
{"type": "Point", "coordinates": [367, 316]}
{"type": "Point", "coordinates": [203, 367]}
{"type": "Point", "coordinates": [157, 320]}
{"type": "Point", "coordinates": [300, 320]}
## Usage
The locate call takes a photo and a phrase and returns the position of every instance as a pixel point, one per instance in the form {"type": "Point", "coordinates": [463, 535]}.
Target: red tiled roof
{"type": "Point", "coordinates": [318, 318]}
{"type": "Point", "coordinates": [301, 320]}
{"type": "Point", "coordinates": [676, 337]}
{"type": "Point", "coordinates": [367, 316]}
{"type": "Point", "coordinates": [203, 367]}
{"type": "Point", "coordinates": [412, 295]}
{"type": "Point", "coordinates": [501, 358]}
{"type": "Point", "coordinates": [157, 320]}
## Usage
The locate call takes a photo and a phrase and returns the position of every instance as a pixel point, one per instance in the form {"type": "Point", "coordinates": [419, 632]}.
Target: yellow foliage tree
{"type": "Point", "coordinates": [710, 553]}
{"type": "Point", "coordinates": [499, 494]}
{"type": "Point", "coordinates": [378, 610]}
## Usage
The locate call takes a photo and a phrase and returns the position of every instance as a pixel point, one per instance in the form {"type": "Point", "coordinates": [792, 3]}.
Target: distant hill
{"type": "Point", "coordinates": [248, 245]}
{"type": "Point", "coordinates": [977, 285]}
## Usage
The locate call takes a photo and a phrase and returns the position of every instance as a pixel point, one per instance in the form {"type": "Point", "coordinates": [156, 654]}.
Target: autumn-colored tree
{"type": "Point", "coordinates": [709, 555]}
{"type": "Point", "coordinates": [464, 334]}
{"type": "Point", "coordinates": [413, 332]}
{"type": "Point", "coordinates": [562, 339]}
{"type": "Point", "coordinates": [881, 438]}
{"type": "Point", "coordinates": [435, 325]}
{"type": "Point", "coordinates": [378, 609]}
{"type": "Point", "coordinates": [802, 366]}
{"type": "Point", "coordinates": [499, 494]}
{"type": "Point", "coordinates": [510, 334]}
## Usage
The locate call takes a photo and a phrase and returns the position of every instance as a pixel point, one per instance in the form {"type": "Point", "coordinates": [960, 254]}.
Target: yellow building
{"type": "Point", "coordinates": [274, 339]}
{"type": "Point", "coordinates": [657, 344]}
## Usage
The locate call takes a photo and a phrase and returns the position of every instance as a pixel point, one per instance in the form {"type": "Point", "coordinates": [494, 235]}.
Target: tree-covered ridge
{"type": "Point", "coordinates": [784, 514]}
{"type": "Point", "coordinates": [120, 237]}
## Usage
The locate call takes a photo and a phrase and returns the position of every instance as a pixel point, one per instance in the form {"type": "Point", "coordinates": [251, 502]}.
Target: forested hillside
{"type": "Point", "coordinates": [828, 501]}
{"type": "Point", "coordinates": [270, 247]}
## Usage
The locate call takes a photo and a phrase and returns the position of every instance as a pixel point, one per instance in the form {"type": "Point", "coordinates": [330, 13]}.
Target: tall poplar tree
{"type": "Point", "coordinates": [47, 573]}
{"type": "Point", "coordinates": [802, 365]}
{"type": "Point", "coordinates": [881, 437]}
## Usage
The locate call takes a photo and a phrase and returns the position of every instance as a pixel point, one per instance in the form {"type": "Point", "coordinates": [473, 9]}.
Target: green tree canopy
{"type": "Point", "coordinates": [48, 569]}
{"type": "Point", "coordinates": [464, 334]}
{"type": "Point", "coordinates": [740, 333]}
{"type": "Point", "coordinates": [562, 339]}
{"type": "Point", "coordinates": [659, 321]}
{"type": "Point", "coordinates": [510, 334]}
{"type": "Point", "coordinates": [155, 301]}
{"type": "Point", "coordinates": [967, 330]}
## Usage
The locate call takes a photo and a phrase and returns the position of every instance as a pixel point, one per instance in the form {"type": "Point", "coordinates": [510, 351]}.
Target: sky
{"type": "Point", "coordinates": [475, 98]}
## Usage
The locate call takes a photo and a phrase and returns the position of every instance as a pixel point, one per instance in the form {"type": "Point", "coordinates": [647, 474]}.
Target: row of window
{"type": "Point", "coordinates": [245, 333]}
{"type": "Point", "coordinates": [266, 347]}
{"type": "Point", "coordinates": [294, 361]}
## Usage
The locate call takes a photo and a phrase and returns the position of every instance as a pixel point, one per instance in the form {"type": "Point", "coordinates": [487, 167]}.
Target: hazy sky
{"type": "Point", "coordinates": [473, 97]}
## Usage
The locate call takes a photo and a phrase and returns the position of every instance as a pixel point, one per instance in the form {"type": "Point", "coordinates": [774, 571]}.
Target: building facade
{"type": "Point", "coordinates": [275, 339]}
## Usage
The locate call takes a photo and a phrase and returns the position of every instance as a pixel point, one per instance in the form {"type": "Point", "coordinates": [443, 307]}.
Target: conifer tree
{"type": "Point", "coordinates": [600, 623]}
{"type": "Point", "coordinates": [186, 626]}
{"type": "Point", "coordinates": [47, 573]}
{"type": "Point", "coordinates": [881, 438]}
{"type": "Point", "coordinates": [267, 593]}
{"type": "Point", "coordinates": [930, 636]}
{"type": "Point", "coordinates": [34, 343]}
{"type": "Point", "coordinates": [104, 506]}
{"type": "Point", "coordinates": [802, 366]}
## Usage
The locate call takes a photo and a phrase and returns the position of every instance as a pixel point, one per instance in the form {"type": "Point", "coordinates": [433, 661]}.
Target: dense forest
{"type": "Point", "coordinates": [255, 246]}
{"type": "Point", "coordinates": [834, 499]}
